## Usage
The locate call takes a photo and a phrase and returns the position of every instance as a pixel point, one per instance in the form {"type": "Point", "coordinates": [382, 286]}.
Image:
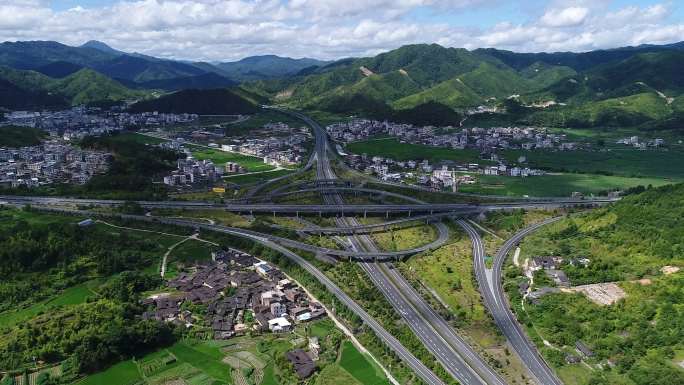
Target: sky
{"type": "Point", "coordinates": [226, 30]}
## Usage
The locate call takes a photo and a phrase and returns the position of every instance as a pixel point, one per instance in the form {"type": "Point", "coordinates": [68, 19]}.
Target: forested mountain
{"type": "Point", "coordinates": [635, 86]}
{"type": "Point", "coordinates": [143, 71]}
{"type": "Point", "coordinates": [204, 81]}
{"type": "Point", "coordinates": [29, 89]}
{"type": "Point", "coordinates": [266, 67]}
{"type": "Point", "coordinates": [206, 102]}
{"type": "Point", "coordinates": [60, 60]}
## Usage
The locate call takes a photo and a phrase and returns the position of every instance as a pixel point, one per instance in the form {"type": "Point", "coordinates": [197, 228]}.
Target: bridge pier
{"type": "Point", "coordinates": [364, 214]}
{"type": "Point", "coordinates": [386, 214]}
{"type": "Point", "coordinates": [409, 214]}
{"type": "Point", "coordinates": [274, 215]}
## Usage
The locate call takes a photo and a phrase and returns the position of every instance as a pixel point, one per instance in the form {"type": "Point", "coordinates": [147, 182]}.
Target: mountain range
{"type": "Point", "coordinates": [626, 86]}
{"type": "Point", "coordinates": [631, 86]}
{"type": "Point", "coordinates": [142, 71]}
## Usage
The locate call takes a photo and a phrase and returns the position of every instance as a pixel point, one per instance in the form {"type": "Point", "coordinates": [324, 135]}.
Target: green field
{"type": "Point", "coordinates": [621, 161]}
{"type": "Point", "coordinates": [123, 373]}
{"type": "Point", "coordinates": [562, 185]}
{"type": "Point", "coordinates": [207, 363]}
{"type": "Point", "coordinates": [360, 366]}
{"type": "Point", "coordinates": [196, 362]}
{"type": "Point", "coordinates": [392, 148]}
{"type": "Point", "coordinates": [219, 157]}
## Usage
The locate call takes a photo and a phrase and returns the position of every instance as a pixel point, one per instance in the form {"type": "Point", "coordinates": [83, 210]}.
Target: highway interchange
{"type": "Point", "coordinates": [459, 359]}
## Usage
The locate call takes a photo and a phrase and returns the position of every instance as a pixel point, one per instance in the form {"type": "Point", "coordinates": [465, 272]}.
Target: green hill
{"type": "Point", "coordinates": [453, 93]}
{"type": "Point", "coordinates": [628, 111]}
{"type": "Point", "coordinates": [660, 70]}
{"type": "Point", "coordinates": [628, 241]}
{"type": "Point", "coordinates": [267, 67]}
{"type": "Point", "coordinates": [30, 89]}
{"type": "Point", "coordinates": [625, 87]}
{"type": "Point", "coordinates": [12, 136]}
{"type": "Point", "coordinates": [204, 102]}
{"type": "Point", "coordinates": [87, 86]}
{"type": "Point", "coordinates": [544, 75]}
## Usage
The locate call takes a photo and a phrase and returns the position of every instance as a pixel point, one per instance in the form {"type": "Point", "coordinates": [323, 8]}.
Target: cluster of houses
{"type": "Point", "coordinates": [551, 266]}
{"type": "Point", "coordinates": [421, 172]}
{"type": "Point", "coordinates": [486, 140]}
{"type": "Point", "coordinates": [78, 122]}
{"type": "Point", "coordinates": [191, 171]}
{"type": "Point", "coordinates": [240, 292]}
{"type": "Point", "coordinates": [53, 161]}
{"type": "Point", "coordinates": [634, 141]}
{"type": "Point", "coordinates": [274, 150]}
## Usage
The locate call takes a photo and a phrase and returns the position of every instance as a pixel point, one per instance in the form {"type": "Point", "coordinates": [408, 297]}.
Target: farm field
{"type": "Point", "coordinates": [123, 373]}
{"type": "Point", "coordinates": [560, 185]}
{"type": "Point", "coordinates": [140, 138]}
{"type": "Point", "coordinates": [360, 366]}
{"type": "Point", "coordinates": [392, 148]}
{"type": "Point", "coordinates": [187, 360]}
{"type": "Point", "coordinates": [219, 157]}
{"type": "Point", "coordinates": [242, 360]}
{"type": "Point", "coordinates": [618, 161]}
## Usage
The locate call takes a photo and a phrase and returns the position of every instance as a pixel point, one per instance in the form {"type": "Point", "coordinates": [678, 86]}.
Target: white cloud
{"type": "Point", "coordinates": [230, 29]}
{"type": "Point", "coordinates": [566, 17]}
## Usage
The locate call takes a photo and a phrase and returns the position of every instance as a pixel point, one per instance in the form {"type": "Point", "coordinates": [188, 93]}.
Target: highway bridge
{"type": "Point", "coordinates": [317, 209]}
{"type": "Point", "coordinates": [458, 358]}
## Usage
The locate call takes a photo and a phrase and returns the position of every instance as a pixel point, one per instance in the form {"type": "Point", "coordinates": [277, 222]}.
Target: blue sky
{"type": "Point", "coordinates": [217, 30]}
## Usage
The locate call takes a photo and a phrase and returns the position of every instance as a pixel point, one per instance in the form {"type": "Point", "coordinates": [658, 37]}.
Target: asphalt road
{"type": "Point", "coordinates": [325, 172]}
{"type": "Point", "coordinates": [455, 356]}
{"type": "Point", "coordinates": [496, 302]}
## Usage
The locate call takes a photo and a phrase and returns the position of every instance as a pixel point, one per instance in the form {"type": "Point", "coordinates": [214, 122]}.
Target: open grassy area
{"type": "Point", "coordinates": [447, 270]}
{"type": "Point", "coordinates": [559, 185]}
{"type": "Point", "coordinates": [392, 148]}
{"type": "Point", "coordinates": [219, 157]}
{"type": "Point", "coordinates": [406, 238]}
{"type": "Point", "coordinates": [191, 251]}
